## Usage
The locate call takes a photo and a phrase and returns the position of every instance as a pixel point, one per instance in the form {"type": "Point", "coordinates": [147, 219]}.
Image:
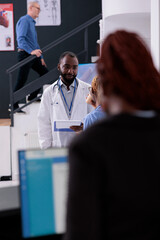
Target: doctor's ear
{"type": "Point", "coordinates": [58, 67]}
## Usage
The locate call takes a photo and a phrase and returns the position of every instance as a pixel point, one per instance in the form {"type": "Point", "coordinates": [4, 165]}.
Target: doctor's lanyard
{"type": "Point", "coordinates": [69, 108]}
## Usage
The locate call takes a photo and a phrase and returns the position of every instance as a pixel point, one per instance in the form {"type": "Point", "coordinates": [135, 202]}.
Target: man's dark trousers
{"type": "Point", "coordinates": [36, 65]}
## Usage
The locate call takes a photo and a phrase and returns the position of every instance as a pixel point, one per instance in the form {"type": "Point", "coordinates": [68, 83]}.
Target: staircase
{"type": "Point", "coordinates": [22, 136]}
{"type": "Point", "coordinates": [52, 75]}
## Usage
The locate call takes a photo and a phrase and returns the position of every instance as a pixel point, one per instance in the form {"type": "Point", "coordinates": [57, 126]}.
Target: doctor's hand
{"type": "Point", "coordinates": [77, 129]}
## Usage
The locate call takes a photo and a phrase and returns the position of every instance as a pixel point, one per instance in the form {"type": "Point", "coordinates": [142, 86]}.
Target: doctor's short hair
{"type": "Point", "coordinates": [67, 53]}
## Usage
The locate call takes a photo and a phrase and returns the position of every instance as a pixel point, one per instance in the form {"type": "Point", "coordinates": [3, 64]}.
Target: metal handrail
{"type": "Point", "coordinates": [57, 41]}
{"type": "Point", "coordinates": [28, 88]}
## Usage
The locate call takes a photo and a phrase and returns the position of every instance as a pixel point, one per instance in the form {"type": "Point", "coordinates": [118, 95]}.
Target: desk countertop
{"type": "Point", "coordinates": [5, 184]}
{"type": "Point", "coordinates": [9, 195]}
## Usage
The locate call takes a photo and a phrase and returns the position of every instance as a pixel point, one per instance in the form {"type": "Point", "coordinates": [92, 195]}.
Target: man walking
{"type": "Point", "coordinates": [27, 46]}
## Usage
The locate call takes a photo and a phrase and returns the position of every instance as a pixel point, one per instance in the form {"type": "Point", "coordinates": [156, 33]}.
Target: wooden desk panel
{"type": "Point", "coordinates": [5, 122]}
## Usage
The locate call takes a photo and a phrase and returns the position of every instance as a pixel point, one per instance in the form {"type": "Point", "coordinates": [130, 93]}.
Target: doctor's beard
{"type": "Point", "coordinates": [68, 80]}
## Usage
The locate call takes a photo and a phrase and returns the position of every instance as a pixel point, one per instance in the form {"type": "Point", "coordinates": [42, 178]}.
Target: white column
{"type": "Point", "coordinates": [126, 14]}
{"type": "Point", "coordinates": [155, 32]}
{"type": "Point", "coordinates": [114, 7]}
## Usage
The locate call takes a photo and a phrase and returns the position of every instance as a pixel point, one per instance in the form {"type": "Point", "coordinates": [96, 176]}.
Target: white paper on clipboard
{"type": "Point", "coordinates": [67, 123]}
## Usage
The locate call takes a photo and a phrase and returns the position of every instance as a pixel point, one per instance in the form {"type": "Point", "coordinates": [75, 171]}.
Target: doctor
{"type": "Point", "coordinates": [65, 99]}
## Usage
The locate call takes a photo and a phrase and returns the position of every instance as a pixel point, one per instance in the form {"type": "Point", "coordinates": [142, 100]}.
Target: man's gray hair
{"type": "Point", "coordinates": [32, 3]}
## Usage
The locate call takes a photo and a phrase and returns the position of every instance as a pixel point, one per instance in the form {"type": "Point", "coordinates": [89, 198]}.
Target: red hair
{"type": "Point", "coordinates": [125, 68]}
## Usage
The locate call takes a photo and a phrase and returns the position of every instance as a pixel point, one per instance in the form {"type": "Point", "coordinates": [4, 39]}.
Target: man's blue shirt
{"type": "Point", "coordinates": [26, 34]}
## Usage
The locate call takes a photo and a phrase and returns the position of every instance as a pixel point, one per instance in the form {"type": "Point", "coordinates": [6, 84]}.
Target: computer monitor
{"type": "Point", "coordinates": [43, 191]}
{"type": "Point", "coordinates": [86, 72]}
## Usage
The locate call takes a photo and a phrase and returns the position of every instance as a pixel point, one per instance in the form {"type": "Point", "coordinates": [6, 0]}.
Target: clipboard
{"type": "Point", "coordinates": [64, 125]}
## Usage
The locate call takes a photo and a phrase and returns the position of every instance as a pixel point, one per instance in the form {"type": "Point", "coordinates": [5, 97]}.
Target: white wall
{"type": "Point", "coordinates": [114, 7]}
{"type": "Point", "coordinates": [141, 16]}
{"type": "Point", "coordinates": [5, 162]}
{"type": "Point", "coordinates": [155, 32]}
{"type": "Point", "coordinates": [126, 14]}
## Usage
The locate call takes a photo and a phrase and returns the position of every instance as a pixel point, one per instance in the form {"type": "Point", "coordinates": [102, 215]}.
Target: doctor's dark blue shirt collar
{"type": "Point", "coordinates": [72, 85]}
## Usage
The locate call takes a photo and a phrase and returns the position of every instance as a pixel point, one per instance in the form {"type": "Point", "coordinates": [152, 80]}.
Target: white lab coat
{"type": "Point", "coordinates": [52, 109]}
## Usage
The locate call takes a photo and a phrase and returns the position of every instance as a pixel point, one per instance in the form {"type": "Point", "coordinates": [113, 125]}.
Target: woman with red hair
{"type": "Point", "coordinates": [114, 178]}
{"type": "Point", "coordinates": [127, 71]}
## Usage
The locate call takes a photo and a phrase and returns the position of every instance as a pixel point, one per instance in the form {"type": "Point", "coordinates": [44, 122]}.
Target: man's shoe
{"type": "Point", "coordinates": [20, 111]}
{"type": "Point", "coordinates": [30, 99]}
{"type": "Point", "coordinates": [38, 100]}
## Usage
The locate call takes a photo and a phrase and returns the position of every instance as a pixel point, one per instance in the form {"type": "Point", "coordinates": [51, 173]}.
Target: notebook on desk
{"type": "Point", "coordinates": [43, 191]}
